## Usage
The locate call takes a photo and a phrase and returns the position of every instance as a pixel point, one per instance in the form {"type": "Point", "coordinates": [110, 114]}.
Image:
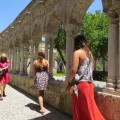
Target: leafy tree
{"type": "Point", "coordinates": [95, 28]}
{"type": "Point", "coordinates": [60, 42]}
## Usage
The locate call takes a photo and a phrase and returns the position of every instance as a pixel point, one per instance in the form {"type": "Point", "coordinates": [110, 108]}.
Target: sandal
{"type": "Point", "coordinates": [42, 112]}
{"type": "Point", "coordinates": [4, 95]}
{"type": "Point", "coordinates": [1, 97]}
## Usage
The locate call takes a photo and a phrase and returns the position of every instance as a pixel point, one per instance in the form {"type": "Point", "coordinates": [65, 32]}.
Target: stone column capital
{"type": "Point", "coordinates": [113, 17]}
{"type": "Point", "coordinates": [71, 30]}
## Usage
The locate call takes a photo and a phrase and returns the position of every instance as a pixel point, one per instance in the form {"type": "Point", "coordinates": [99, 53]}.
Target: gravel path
{"type": "Point", "coordinates": [21, 106]}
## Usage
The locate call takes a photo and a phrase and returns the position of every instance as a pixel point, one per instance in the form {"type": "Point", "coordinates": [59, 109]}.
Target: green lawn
{"type": "Point", "coordinates": [58, 74]}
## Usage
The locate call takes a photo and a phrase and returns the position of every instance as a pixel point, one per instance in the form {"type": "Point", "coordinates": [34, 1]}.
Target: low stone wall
{"type": "Point", "coordinates": [57, 97]}
{"type": "Point", "coordinates": [109, 105]}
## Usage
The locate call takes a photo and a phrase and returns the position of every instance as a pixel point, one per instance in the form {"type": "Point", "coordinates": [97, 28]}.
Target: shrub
{"type": "Point", "coordinates": [100, 75]}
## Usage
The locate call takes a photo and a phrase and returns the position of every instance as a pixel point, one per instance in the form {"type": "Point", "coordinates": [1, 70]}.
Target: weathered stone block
{"type": "Point", "coordinates": [57, 97]}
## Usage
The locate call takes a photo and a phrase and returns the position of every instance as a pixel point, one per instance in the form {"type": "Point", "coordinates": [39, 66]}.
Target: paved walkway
{"type": "Point", "coordinates": [20, 106]}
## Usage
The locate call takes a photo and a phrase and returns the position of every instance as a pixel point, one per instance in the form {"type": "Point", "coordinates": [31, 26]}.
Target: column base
{"type": "Point", "coordinates": [11, 71]}
{"type": "Point", "coordinates": [31, 74]}
{"type": "Point", "coordinates": [111, 87]}
{"type": "Point", "coordinates": [112, 91]}
{"type": "Point", "coordinates": [16, 72]}
{"type": "Point", "coordinates": [118, 90]}
{"type": "Point", "coordinates": [118, 86]}
{"type": "Point", "coordinates": [22, 74]}
{"type": "Point", "coordinates": [51, 78]}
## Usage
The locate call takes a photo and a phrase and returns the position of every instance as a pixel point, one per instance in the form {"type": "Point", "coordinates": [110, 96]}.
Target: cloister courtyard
{"type": "Point", "coordinates": [41, 18]}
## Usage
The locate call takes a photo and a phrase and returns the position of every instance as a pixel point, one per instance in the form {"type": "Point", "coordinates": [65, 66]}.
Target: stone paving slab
{"type": "Point", "coordinates": [21, 106]}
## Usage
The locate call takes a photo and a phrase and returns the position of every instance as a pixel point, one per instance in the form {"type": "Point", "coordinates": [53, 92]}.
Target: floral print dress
{"type": "Point", "coordinates": [41, 78]}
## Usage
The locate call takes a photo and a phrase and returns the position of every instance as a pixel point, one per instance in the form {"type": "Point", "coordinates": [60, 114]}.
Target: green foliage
{"type": "Point", "coordinates": [60, 42]}
{"type": "Point", "coordinates": [95, 29]}
{"type": "Point", "coordinates": [57, 56]}
{"type": "Point", "coordinates": [42, 42]}
{"type": "Point", "coordinates": [100, 75]}
{"type": "Point", "coordinates": [99, 67]}
{"type": "Point", "coordinates": [59, 74]}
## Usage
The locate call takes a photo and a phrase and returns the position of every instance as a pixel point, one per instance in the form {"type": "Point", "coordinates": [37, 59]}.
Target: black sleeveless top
{"type": "Point", "coordinates": [39, 69]}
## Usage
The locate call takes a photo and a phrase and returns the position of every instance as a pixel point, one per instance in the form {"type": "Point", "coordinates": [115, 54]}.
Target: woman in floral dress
{"type": "Point", "coordinates": [41, 71]}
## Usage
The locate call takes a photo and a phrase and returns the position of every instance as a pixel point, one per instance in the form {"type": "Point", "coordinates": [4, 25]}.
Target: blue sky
{"type": "Point", "coordinates": [10, 9]}
{"type": "Point", "coordinates": [96, 5]}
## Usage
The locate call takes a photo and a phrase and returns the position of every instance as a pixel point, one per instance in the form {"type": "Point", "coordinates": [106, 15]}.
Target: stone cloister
{"type": "Point", "coordinates": [41, 18]}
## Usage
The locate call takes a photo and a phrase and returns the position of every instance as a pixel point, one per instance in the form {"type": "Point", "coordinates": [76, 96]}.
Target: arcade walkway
{"type": "Point", "coordinates": [20, 106]}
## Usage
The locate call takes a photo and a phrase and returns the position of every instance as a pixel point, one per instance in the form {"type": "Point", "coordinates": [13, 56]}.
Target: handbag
{"type": "Point", "coordinates": [1, 73]}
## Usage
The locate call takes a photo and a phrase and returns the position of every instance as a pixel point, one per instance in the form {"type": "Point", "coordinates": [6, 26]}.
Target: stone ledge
{"type": "Point", "coordinates": [56, 96]}
{"type": "Point", "coordinates": [109, 105]}
{"type": "Point", "coordinates": [111, 92]}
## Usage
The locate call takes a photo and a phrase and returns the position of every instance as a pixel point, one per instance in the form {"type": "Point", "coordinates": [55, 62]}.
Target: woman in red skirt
{"type": "Point", "coordinates": [82, 91]}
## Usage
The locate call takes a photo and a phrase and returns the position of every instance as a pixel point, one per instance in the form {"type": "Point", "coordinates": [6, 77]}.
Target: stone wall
{"type": "Point", "coordinates": [57, 97]}
{"type": "Point", "coordinates": [109, 105]}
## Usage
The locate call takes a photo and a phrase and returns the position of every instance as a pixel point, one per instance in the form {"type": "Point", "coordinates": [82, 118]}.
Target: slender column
{"type": "Point", "coordinates": [10, 58]}
{"type": "Point", "coordinates": [25, 59]}
{"type": "Point", "coordinates": [21, 62]}
{"type": "Point", "coordinates": [51, 58]}
{"type": "Point", "coordinates": [36, 51]}
{"type": "Point", "coordinates": [46, 49]}
{"type": "Point", "coordinates": [31, 59]}
{"type": "Point", "coordinates": [14, 60]}
{"type": "Point", "coordinates": [9, 54]}
{"type": "Point", "coordinates": [18, 67]}
{"type": "Point", "coordinates": [112, 55]}
{"type": "Point", "coordinates": [70, 32]}
{"type": "Point", "coordinates": [118, 81]}
{"type": "Point", "coordinates": [69, 51]}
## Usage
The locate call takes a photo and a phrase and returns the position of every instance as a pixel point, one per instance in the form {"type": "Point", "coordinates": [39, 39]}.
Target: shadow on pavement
{"type": "Point", "coordinates": [53, 113]}
{"type": "Point", "coordinates": [51, 116]}
{"type": "Point", "coordinates": [34, 107]}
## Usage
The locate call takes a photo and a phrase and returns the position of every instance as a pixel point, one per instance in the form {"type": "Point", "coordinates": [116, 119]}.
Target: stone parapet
{"type": "Point", "coordinates": [57, 97]}
{"type": "Point", "coordinates": [109, 105]}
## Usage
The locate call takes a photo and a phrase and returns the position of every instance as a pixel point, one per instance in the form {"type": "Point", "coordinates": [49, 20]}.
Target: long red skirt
{"type": "Point", "coordinates": [84, 106]}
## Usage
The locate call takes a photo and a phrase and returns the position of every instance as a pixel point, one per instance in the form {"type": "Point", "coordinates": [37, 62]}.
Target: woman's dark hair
{"type": "Point", "coordinates": [3, 56]}
{"type": "Point", "coordinates": [80, 42]}
{"type": "Point", "coordinates": [41, 55]}
{"type": "Point", "coordinates": [1, 59]}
